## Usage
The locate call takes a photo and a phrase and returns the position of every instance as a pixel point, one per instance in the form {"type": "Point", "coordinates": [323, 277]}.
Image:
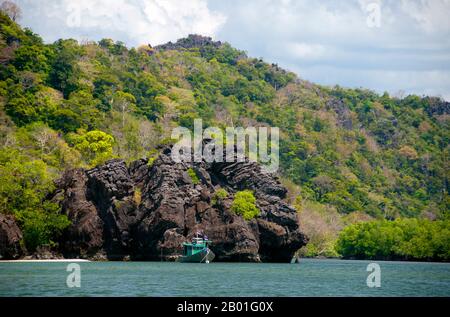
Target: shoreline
{"type": "Point", "coordinates": [48, 260]}
{"type": "Point", "coordinates": [301, 260]}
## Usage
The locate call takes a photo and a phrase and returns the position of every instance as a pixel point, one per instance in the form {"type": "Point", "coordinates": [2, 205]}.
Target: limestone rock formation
{"type": "Point", "coordinates": [146, 212]}
{"type": "Point", "coordinates": [10, 237]}
{"type": "Point", "coordinates": [100, 204]}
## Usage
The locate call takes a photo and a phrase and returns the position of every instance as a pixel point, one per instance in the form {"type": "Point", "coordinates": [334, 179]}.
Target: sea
{"type": "Point", "coordinates": [309, 277]}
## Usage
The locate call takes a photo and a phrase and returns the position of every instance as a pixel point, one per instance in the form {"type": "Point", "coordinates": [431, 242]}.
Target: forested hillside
{"type": "Point", "coordinates": [347, 155]}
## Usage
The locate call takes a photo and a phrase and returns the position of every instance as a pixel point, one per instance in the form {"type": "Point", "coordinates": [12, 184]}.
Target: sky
{"type": "Point", "coordinates": [398, 46]}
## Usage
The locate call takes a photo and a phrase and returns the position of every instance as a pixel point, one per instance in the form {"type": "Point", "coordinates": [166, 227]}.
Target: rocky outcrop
{"type": "Point", "coordinates": [204, 44]}
{"type": "Point", "coordinates": [146, 212]}
{"type": "Point", "coordinates": [343, 113]}
{"type": "Point", "coordinates": [100, 204]}
{"type": "Point", "coordinates": [10, 238]}
{"type": "Point", "coordinates": [192, 41]}
{"type": "Point", "coordinates": [45, 252]}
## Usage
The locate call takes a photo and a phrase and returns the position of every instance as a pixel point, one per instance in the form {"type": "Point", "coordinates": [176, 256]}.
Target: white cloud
{"type": "Point", "coordinates": [132, 21]}
{"type": "Point", "coordinates": [326, 41]}
{"type": "Point", "coordinates": [432, 16]}
{"type": "Point", "coordinates": [329, 42]}
{"type": "Point", "coordinates": [424, 82]}
{"type": "Point", "coordinates": [307, 51]}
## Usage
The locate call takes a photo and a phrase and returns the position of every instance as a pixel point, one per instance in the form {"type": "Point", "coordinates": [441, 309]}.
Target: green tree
{"type": "Point", "coordinates": [124, 102]}
{"type": "Point", "coordinates": [409, 239]}
{"type": "Point", "coordinates": [95, 146]}
{"type": "Point", "coordinates": [65, 72]}
{"type": "Point", "coordinates": [24, 185]}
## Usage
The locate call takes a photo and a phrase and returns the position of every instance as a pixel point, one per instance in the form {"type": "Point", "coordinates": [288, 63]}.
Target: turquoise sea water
{"type": "Point", "coordinates": [309, 278]}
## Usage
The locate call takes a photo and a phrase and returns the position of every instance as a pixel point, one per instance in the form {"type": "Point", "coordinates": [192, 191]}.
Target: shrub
{"type": "Point", "coordinates": [244, 205]}
{"type": "Point", "coordinates": [152, 156]}
{"type": "Point", "coordinates": [42, 227]}
{"type": "Point", "coordinates": [194, 178]}
{"type": "Point", "coordinates": [219, 195]}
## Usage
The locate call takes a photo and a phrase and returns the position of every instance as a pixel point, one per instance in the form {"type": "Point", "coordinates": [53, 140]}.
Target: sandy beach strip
{"type": "Point", "coordinates": [38, 261]}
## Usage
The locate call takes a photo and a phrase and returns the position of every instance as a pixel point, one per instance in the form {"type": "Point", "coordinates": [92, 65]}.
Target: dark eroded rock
{"type": "Point", "coordinates": [100, 204]}
{"type": "Point", "coordinates": [147, 212]}
{"type": "Point", "coordinates": [10, 238]}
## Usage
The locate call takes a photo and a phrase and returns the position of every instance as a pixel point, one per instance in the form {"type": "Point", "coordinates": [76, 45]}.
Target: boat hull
{"type": "Point", "coordinates": [204, 256]}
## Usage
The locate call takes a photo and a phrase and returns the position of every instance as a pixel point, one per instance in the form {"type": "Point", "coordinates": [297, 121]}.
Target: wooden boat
{"type": "Point", "coordinates": [197, 251]}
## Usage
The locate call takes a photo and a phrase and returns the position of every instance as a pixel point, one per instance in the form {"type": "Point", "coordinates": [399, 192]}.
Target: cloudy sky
{"type": "Point", "coordinates": [394, 46]}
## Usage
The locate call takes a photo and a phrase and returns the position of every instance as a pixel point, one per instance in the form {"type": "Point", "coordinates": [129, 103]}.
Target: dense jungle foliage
{"type": "Point", "coordinates": [347, 155]}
